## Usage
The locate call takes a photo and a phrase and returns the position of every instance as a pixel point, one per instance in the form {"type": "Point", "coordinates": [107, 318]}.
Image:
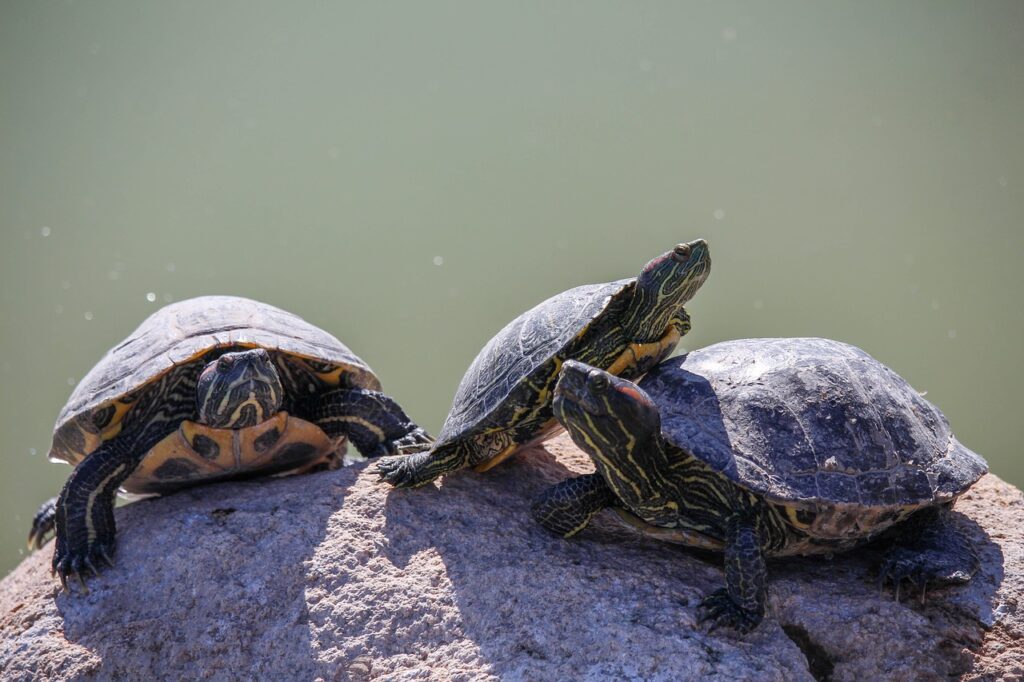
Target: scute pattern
{"type": "Point", "coordinates": [810, 420]}
{"type": "Point", "coordinates": [184, 331]}
{"type": "Point", "coordinates": [523, 345]}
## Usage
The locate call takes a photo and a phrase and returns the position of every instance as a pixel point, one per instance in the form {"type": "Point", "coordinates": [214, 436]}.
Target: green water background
{"type": "Point", "coordinates": [410, 176]}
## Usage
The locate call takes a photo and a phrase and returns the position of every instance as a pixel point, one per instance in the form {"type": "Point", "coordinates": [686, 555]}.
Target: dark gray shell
{"type": "Point", "coordinates": [810, 420]}
{"type": "Point", "coordinates": [522, 346]}
{"type": "Point", "coordinates": [181, 332]}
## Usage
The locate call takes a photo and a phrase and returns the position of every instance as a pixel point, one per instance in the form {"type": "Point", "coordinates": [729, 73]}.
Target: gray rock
{"type": "Point", "coordinates": [336, 577]}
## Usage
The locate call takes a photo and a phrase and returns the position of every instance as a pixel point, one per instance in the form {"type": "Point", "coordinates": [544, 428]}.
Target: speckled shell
{"type": "Point", "coordinates": [523, 345]}
{"type": "Point", "coordinates": [182, 332]}
{"type": "Point", "coordinates": [810, 420]}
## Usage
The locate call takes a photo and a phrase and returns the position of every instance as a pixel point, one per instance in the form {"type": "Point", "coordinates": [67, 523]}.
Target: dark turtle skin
{"type": "Point", "coordinates": [207, 389]}
{"type": "Point", "coordinates": [768, 447]}
{"type": "Point", "coordinates": [504, 400]}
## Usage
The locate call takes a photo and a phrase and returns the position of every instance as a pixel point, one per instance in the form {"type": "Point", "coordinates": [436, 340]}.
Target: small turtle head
{"type": "Point", "coordinates": [603, 413]}
{"type": "Point", "coordinates": [663, 288]}
{"type": "Point", "coordinates": [238, 390]}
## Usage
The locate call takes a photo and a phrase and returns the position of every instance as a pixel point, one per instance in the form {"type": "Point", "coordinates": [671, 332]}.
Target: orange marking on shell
{"type": "Point", "coordinates": [237, 452]}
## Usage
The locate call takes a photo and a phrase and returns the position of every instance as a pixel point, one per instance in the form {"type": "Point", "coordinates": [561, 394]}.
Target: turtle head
{"type": "Point", "coordinates": [663, 288]}
{"type": "Point", "coordinates": [238, 390]}
{"type": "Point", "coordinates": [605, 415]}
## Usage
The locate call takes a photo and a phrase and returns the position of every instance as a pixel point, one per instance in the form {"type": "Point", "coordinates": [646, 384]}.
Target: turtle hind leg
{"type": "Point", "coordinates": [928, 551]}
{"type": "Point", "coordinates": [42, 524]}
{"type": "Point", "coordinates": [373, 421]}
{"type": "Point", "coordinates": [566, 508]}
{"type": "Point", "coordinates": [742, 603]}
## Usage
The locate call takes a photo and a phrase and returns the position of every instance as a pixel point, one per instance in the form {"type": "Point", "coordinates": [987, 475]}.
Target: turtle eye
{"type": "Point", "coordinates": [682, 250]}
{"type": "Point", "coordinates": [599, 382]}
{"type": "Point", "coordinates": [224, 364]}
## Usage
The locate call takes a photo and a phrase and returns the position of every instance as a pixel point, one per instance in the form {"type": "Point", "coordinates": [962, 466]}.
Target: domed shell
{"type": "Point", "coordinates": [182, 332]}
{"type": "Point", "coordinates": [522, 346]}
{"type": "Point", "coordinates": [810, 421]}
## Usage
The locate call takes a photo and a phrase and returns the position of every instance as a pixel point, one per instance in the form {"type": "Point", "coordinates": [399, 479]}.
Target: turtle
{"type": "Point", "coordinates": [503, 402]}
{"type": "Point", "coordinates": [207, 389]}
{"type": "Point", "coordinates": [768, 447]}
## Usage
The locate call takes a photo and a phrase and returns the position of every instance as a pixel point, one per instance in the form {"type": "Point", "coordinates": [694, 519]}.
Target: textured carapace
{"type": "Point", "coordinates": [811, 420]}
{"type": "Point", "coordinates": [531, 340]}
{"type": "Point", "coordinates": [186, 332]}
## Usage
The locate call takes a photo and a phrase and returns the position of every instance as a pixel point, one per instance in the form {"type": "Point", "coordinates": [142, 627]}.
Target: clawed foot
{"type": "Point", "coordinates": [920, 569]}
{"type": "Point", "coordinates": [416, 440]}
{"type": "Point", "coordinates": [720, 610]}
{"type": "Point", "coordinates": [403, 471]}
{"type": "Point", "coordinates": [76, 562]}
{"type": "Point", "coordinates": [42, 524]}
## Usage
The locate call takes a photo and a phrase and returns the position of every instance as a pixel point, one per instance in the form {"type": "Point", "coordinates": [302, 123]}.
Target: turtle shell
{"type": "Point", "coordinates": [521, 347]}
{"type": "Point", "coordinates": [176, 335]}
{"type": "Point", "coordinates": [810, 421]}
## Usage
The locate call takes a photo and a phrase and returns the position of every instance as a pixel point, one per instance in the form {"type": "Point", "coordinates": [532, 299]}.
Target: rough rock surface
{"type": "Point", "coordinates": [333, 576]}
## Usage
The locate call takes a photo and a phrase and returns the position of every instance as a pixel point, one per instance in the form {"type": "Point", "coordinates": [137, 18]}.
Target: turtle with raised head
{"type": "Point", "coordinates": [204, 390]}
{"type": "Point", "coordinates": [504, 400]}
{"type": "Point", "coordinates": [768, 447]}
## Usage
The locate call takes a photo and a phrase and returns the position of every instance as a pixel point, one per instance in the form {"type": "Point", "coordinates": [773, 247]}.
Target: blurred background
{"type": "Point", "coordinates": [412, 176]}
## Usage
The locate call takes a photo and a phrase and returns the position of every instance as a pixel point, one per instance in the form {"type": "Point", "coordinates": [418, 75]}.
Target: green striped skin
{"type": "Point", "coordinates": [638, 327]}
{"type": "Point", "coordinates": [673, 495]}
{"type": "Point", "coordinates": [618, 425]}
{"type": "Point", "coordinates": [148, 385]}
{"type": "Point", "coordinates": [232, 390]}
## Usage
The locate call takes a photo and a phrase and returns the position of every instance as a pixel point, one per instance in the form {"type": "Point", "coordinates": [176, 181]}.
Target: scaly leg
{"type": "Point", "coordinates": [423, 467]}
{"type": "Point", "coordinates": [928, 550]}
{"type": "Point", "coordinates": [567, 508]}
{"type": "Point", "coordinates": [741, 604]}
{"type": "Point", "coordinates": [373, 421]}
{"type": "Point", "coordinates": [84, 517]}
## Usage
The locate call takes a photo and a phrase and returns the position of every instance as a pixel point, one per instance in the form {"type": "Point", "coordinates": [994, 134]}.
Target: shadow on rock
{"type": "Point", "coordinates": [208, 581]}
{"type": "Point", "coordinates": [607, 604]}
{"type": "Point", "coordinates": [611, 603]}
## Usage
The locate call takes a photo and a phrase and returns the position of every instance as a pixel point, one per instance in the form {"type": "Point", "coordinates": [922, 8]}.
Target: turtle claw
{"type": "Point", "coordinates": [719, 610]}
{"type": "Point", "coordinates": [413, 442]}
{"type": "Point", "coordinates": [42, 524]}
{"type": "Point", "coordinates": [416, 440]}
{"type": "Point", "coordinates": [401, 471]}
{"type": "Point", "coordinates": [79, 565]}
{"type": "Point", "coordinates": [919, 570]}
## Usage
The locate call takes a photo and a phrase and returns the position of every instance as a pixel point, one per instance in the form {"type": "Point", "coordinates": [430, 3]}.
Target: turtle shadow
{"type": "Point", "coordinates": [209, 581]}
{"type": "Point", "coordinates": [531, 602]}
{"type": "Point", "coordinates": [526, 595]}
{"type": "Point", "coordinates": [945, 622]}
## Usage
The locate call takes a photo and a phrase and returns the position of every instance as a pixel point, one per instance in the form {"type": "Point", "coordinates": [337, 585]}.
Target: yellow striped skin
{"type": "Point", "coordinates": [671, 495]}
{"type": "Point", "coordinates": [504, 400]}
{"type": "Point", "coordinates": [78, 437]}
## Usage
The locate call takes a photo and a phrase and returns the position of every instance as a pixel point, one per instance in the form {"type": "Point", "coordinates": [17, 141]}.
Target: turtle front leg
{"type": "Point", "coordinates": [423, 467]}
{"type": "Point", "coordinates": [372, 420]}
{"type": "Point", "coordinates": [929, 550]}
{"type": "Point", "coordinates": [567, 508]}
{"type": "Point", "coordinates": [84, 512]}
{"type": "Point", "coordinates": [741, 604]}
